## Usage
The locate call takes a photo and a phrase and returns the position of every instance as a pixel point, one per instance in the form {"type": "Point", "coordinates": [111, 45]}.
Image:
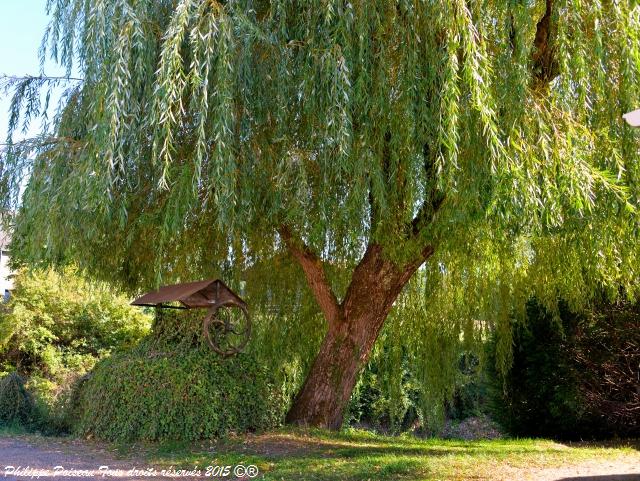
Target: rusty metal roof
{"type": "Point", "coordinates": [191, 295]}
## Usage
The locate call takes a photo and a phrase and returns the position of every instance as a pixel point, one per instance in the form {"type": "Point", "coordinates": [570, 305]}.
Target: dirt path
{"type": "Point", "coordinates": [601, 470]}
{"type": "Point", "coordinates": [23, 458]}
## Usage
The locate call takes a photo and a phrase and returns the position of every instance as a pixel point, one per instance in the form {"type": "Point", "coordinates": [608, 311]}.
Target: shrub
{"type": "Point", "coordinates": [574, 377]}
{"type": "Point", "coordinates": [57, 324]}
{"type": "Point", "coordinates": [52, 416]}
{"type": "Point", "coordinates": [173, 386]}
{"type": "Point", "coordinates": [607, 355]}
{"type": "Point", "coordinates": [540, 395]}
{"type": "Point", "coordinates": [54, 329]}
{"type": "Point", "coordinates": [17, 407]}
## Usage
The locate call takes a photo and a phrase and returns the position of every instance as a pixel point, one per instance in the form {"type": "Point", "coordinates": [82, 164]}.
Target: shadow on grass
{"type": "Point", "coordinates": [305, 455]}
{"type": "Point", "coordinates": [344, 469]}
{"type": "Point", "coordinates": [316, 455]}
{"type": "Point", "coordinates": [277, 447]}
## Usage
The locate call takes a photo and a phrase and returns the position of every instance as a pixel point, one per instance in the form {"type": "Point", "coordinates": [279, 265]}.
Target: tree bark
{"type": "Point", "coordinates": [545, 65]}
{"type": "Point", "coordinates": [375, 285]}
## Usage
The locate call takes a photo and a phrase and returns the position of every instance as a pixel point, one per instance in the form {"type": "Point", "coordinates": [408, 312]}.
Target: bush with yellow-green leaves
{"type": "Point", "coordinates": [54, 329]}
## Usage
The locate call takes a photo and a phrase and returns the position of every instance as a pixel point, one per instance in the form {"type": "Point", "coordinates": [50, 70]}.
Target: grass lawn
{"type": "Point", "coordinates": [315, 455]}
{"type": "Point", "coordinates": [295, 454]}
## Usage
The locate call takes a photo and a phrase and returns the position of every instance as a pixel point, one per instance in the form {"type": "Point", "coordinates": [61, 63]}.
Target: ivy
{"type": "Point", "coordinates": [172, 386]}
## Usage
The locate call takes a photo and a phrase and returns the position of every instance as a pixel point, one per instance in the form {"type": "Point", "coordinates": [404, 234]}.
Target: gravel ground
{"type": "Point", "coordinates": [61, 459]}
{"type": "Point", "coordinates": [621, 469]}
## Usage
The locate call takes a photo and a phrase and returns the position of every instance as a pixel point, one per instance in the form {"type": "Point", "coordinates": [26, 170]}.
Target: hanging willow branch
{"type": "Point", "coordinates": [198, 128]}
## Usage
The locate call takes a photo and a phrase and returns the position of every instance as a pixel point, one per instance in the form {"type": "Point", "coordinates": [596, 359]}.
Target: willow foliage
{"type": "Point", "coordinates": [200, 126]}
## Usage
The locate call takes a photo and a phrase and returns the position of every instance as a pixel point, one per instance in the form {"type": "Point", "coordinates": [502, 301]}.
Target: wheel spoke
{"type": "Point", "coordinates": [220, 340]}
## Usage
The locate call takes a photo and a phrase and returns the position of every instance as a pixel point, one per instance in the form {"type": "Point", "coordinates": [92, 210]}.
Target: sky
{"type": "Point", "coordinates": [22, 24]}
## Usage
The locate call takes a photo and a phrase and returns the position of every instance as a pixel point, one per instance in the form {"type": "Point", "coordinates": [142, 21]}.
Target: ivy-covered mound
{"type": "Point", "coordinates": [173, 386]}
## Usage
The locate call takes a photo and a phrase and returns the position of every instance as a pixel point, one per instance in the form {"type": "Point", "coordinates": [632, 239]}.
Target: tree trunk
{"type": "Point", "coordinates": [329, 384]}
{"type": "Point", "coordinates": [375, 285]}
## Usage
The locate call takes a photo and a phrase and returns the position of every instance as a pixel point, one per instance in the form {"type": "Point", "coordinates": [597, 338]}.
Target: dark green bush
{"type": "Point", "coordinates": [540, 394]}
{"type": "Point", "coordinates": [607, 356]}
{"type": "Point", "coordinates": [572, 378]}
{"type": "Point", "coordinates": [173, 386]}
{"type": "Point", "coordinates": [17, 407]}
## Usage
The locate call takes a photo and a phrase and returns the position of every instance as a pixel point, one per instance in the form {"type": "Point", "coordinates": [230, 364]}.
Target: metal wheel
{"type": "Point", "coordinates": [227, 328]}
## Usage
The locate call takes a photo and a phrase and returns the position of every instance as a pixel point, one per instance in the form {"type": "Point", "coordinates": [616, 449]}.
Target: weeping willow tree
{"type": "Point", "coordinates": [478, 143]}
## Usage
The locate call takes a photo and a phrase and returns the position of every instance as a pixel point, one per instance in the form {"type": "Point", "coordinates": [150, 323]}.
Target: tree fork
{"type": "Point", "coordinates": [375, 285]}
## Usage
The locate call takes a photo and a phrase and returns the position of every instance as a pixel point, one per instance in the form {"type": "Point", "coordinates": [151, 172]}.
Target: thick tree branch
{"type": "Point", "coordinates": [545, 66]}
{"type": "Point", "coordinates": [434, 199]}
{"type": "Point", "coordinates": [316, 277]}
{"type": "Point", "coordinates": [426, 214]}
{"type": "Point", "coordinates": [410, 268]}
{"type": "Point", "coordinates": [377, 281]}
